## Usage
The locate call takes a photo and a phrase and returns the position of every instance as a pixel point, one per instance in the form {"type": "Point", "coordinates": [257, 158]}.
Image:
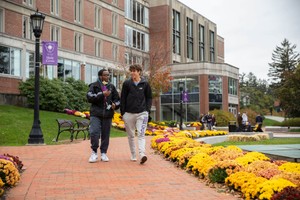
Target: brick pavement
{"type": "Point", "coordinates": [63, 172]}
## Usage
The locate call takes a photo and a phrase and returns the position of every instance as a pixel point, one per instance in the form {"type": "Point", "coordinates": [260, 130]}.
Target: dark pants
{"type": "Point", "coordinates": [100, 128]}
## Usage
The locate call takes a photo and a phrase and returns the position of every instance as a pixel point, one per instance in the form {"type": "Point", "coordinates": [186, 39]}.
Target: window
{"type": "Point", "coordinates": [136, 39]}
{"type": "Point", "coordinates": [190, 38]}
{"type": "Point", "coordinates": [27, 30]}
{"type": "Point", "coordinates": [97, 47]}
{"type": "Point", "coordinates": [215, 86]}
{"type": "Point", "coordinates": [28, 2]}
{"type": "Point", "coordinates": [137, 12]}
{"type": "Point", "coordinates": [98, 17]}
{"type": "Point", "coordinates": [29, 64]}
{"type": "Point", "coordinates": [10, 59]}
{"type": "Point", "coordinates": [68, 68]}
{"type": "Point", "coordinates": [78, 11]}
{"type": "Point", "coordinates": [78, 42]}
{"type": "Point", "coordinates": [55, 34]}
{"type": "Point", "coordinates": [212, 46]}
{"type": "Point", "coordinates": [201, 43]}
{"type": "Point", "coordinates": [55, 7]}
{"type": "Point", "coordinates": [114, 24]}
{"type": "Point", "coordinates": [91, 73]}
{"type": "Point", "coordinates": [176, 32]}
{"type": "Point", "coordinates": [115, 52]}
{"type": "Point", "coordinates": [1, 20]}
{"type": "Point", "coordinates": [232, 86]}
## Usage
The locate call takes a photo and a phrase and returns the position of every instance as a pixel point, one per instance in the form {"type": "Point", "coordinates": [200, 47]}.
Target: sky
{"type": "Point", "coordinates": [252, 29]}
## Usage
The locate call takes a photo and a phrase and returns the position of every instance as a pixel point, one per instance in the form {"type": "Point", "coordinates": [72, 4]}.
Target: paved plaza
{"type": "Point", "coordinates": [63, 172]}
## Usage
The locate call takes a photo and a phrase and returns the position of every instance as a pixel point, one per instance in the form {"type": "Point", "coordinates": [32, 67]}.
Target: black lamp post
{"type": "Point", "coordinates": [181, 85]}
{"type": "Point", "coordinates": [37, 22]}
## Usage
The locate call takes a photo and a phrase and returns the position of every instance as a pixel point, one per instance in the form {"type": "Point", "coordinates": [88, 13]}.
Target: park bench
{"type": "Point", "coordinates": [70, 126]}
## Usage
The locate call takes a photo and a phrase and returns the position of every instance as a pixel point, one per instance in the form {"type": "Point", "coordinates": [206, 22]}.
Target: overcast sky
{"type": "Point", "coordinates": [252, 29]}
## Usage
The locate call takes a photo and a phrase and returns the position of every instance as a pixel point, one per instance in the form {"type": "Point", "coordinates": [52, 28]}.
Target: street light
{"type": "Point", "coordinates": [181, 85]}
{"type": "Point", "coordinates": [37, 22]}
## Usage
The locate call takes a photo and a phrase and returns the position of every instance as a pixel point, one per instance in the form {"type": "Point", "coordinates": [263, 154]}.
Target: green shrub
{"type": "Point", "coordinates": [223, 117]}
{"type": "Point", "coordinates": [56, 95]}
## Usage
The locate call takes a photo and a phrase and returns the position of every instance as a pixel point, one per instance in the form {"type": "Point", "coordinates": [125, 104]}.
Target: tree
{"type": "Point", "coordinates": [284, 62]}
{"type": "Point", "coordinates": [289, 93]}
{"type": "Point", "coordinates": [284, 68]}
{"type": "Point", "coordinates": [256, 92]}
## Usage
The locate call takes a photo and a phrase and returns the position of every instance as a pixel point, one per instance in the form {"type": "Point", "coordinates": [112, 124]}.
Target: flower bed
{"type": "Point", "coordinates": [10, 168]}
{"type": "Point", "coordinates": [252, 174]}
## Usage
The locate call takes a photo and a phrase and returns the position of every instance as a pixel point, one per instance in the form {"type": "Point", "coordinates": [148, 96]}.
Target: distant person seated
{"type": "Point", "coordinates": [259, 121]}
{"type": "Point", "coordinates": [246, 123]}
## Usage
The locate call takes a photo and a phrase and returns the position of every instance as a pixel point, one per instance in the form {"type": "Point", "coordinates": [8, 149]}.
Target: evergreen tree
{"type": "Point", "coordinates": [284, 62]}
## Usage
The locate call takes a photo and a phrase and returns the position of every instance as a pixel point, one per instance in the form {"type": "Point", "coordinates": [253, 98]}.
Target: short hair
{"type": "Point", "coordinates": [101, 71]}
{"type": "Point", "coordinates": [136, 67]}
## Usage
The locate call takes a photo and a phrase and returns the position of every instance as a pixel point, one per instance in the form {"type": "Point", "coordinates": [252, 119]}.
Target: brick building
{"type": "Point", "coordinates": [113, 34]}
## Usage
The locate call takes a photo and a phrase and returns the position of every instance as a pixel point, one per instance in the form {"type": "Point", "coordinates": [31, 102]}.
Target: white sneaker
{"type": "Point", "coordinates": [104, 157]}
{"type": "Point", "coordinates": [93, 157]}
{"type": "Point", "coordinates": [133, 158]}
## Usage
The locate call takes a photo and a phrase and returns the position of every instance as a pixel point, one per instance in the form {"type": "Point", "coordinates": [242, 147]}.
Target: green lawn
{"type": "Point", "coordinates": [264, 142]}
{"type": "Point", "coordinates": [16, 124]}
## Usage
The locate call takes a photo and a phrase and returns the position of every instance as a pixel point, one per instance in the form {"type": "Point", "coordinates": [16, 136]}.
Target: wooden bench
{"type": "Point", "coordinates": [70, 126]}
{"type": "Point", "coordinates": [82, 126]}
{"type": "Point", "coordinates": [64, 125]}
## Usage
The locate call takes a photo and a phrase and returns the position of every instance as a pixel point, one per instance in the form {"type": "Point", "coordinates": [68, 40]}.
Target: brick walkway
{"type": "Point", "coordinates": [63, 172]}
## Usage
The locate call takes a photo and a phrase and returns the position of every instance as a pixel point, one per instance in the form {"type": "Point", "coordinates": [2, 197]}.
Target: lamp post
{"type": "Point", "coordinates": [180, 85]}
{"type": "Point", "coordinates": [37, 22]}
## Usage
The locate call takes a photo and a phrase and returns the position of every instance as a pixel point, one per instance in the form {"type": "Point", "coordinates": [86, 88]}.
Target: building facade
{"type": "Point", "coordinates": [195, 53]}
{"type": "Point", "coordinates": [112, 34]}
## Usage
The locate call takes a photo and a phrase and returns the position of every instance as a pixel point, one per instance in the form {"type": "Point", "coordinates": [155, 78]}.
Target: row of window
{"type": "Point", "coordinates": [11, 59]}
{"type": "Point", "coordinates": [136, 39]}
{"type": "Point", "coordinates": [190, 39]}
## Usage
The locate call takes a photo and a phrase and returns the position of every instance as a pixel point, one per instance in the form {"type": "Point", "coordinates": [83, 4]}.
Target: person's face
{"type": "Point", "coordinates": [135, 74]}
{"type": "Point", "coordinates": [105, 76]}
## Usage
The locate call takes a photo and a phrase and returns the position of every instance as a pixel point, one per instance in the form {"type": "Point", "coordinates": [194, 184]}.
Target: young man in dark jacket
{"type": "Point", "coordinates": [104, 99]}
{"type": "Point", "coordinates": [136, 102]}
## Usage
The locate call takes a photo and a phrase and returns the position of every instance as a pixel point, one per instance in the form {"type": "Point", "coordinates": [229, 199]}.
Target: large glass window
{"type": "Point", "coordinates": [212, 46]}
{"type": "Point", "coordinates": [215, 89]}
{"type": "Point", "coordinates": [232, 86]}
{"type": "Point", "coordinates": [170, 101]}
{"type": "Point", "coordinates": [201, 43]}
{"type": "Point", "coordinates": [137, 12]}
{"type": "Point", "coordinates": [68, 68]}
{"type": "Point", "coordinates": [136, 39]}
{"type": "Point", "coordinates": [10, 61]}
{"type": "Point", "coordinates": [176, 32]}
{"type": "Point", "coordinates": [190, 39]}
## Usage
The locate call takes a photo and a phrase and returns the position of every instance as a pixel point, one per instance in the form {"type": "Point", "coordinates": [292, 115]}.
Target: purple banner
{"type": "Point", "coordinates": [185, 96]}
{"type": "Point", "coordinates": [50, 49]}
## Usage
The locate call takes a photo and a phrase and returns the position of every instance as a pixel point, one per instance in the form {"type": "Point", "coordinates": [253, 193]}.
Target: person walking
{"type": "Point", "coordinates": [104, 99]}
{"type": "Point", "coordinates": [136, 102]}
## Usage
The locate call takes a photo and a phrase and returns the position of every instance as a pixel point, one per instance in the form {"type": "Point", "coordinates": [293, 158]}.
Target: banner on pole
{"type": "Point", "coordinates": [185, 96]}
{"type": "Point", "coordinates": [50, 51]}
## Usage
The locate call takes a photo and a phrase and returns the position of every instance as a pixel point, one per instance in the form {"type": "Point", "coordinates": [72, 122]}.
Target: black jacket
{"type": "Point", "coordinates": [136, 98]}
{"type": "Point", "coordinates": [99, 103]}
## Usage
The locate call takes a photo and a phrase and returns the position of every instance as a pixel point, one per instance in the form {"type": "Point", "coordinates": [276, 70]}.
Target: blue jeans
{"type": "Point", "coordinates": [100, 128]}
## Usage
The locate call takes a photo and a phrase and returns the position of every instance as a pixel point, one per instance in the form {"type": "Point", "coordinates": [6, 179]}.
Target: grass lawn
{"type": "Point", "coordinates": [16, 124]}
{"type": "Point", "coordinates": [264, 142]}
